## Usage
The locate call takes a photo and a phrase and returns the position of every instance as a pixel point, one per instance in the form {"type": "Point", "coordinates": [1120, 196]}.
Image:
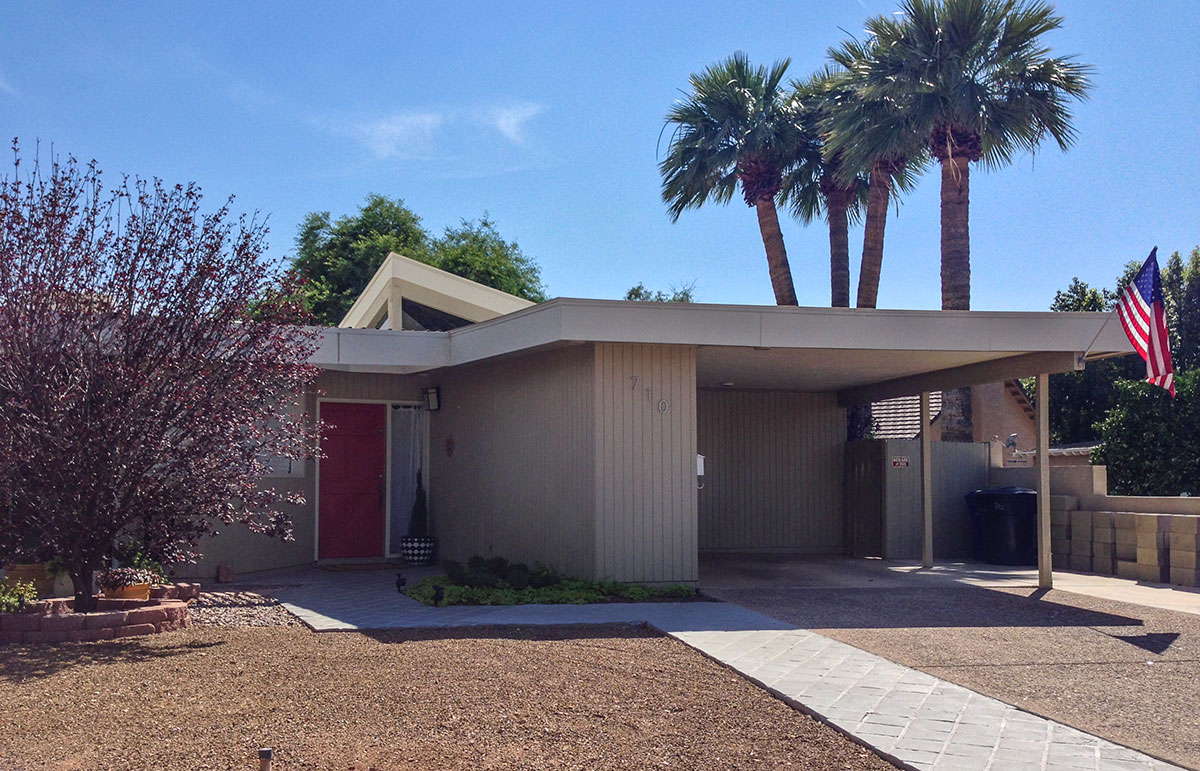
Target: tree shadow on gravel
{"type": "Point", "coordinates": [515, 632]}
{"type": "Point", "coordinates": [22, 662]}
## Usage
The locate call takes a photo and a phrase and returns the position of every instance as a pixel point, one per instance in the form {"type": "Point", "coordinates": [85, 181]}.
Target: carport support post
{"type": "Point", "coordinates": [1045, 566]}
{"type": "Point", "coordinates": [926, 483]}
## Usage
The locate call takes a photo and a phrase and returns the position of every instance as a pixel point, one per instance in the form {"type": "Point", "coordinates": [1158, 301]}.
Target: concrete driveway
{"type": "Point", "coordinates": [1127, 671]}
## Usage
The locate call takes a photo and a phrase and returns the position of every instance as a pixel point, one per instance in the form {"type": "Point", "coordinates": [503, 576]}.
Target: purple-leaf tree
{"type": "Point", "coordinates": [151, 364]}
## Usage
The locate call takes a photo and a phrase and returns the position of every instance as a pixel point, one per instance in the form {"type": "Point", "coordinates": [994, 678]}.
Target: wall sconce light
{"type": "Point", "coordinates": [433, 398]}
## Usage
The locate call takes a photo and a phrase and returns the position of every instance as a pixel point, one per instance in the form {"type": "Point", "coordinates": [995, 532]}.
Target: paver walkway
{"type": "Point", "coordinates": [912, 718]}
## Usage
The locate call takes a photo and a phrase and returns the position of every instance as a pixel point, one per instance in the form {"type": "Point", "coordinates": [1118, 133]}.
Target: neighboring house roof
{"type": "Point", "coordinates": [407, 294]}
{"type": "Point", "coordinates": [863, 355]}
{"type": "Point", "coordinates": [1074, 449]}
{"type": "Point", "coordinates": [901, 418]}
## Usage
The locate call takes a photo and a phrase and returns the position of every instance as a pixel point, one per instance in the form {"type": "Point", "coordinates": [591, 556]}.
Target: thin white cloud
{"type": "Point", "coordinates": [510, 120]}
{"type": "Point", "coordinates": [6, 88]}
{"type": "Point", "coordinates": [408, 134]}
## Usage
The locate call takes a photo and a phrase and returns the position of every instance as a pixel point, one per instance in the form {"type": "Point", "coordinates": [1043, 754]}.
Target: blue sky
{"type": "Point", "coordinates": [548, 115]}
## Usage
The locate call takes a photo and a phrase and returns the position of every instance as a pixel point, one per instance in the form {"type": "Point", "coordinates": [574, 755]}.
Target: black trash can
{"type": "Point", "coordinates": [1004, 525]}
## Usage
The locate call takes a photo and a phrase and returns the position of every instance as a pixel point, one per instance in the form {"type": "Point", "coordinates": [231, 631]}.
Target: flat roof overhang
{"type": "Point", "coordinates": [862, 354]}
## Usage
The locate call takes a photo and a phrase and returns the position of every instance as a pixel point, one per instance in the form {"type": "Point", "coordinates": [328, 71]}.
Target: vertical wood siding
{"type": "Point", "coordinates": [958, 468]}
{"type": "Point", "coordinates": [369, 385]}
{"type": "Point", "coordinates": [520, 481]}
{"type": "Point", "coordinates": [645, 447]}
{"type": "Point", "coordinates": [773, 470]}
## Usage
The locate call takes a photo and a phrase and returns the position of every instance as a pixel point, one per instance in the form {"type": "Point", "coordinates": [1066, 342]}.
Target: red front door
{"type": "Point", "coordinates": [352, 481]}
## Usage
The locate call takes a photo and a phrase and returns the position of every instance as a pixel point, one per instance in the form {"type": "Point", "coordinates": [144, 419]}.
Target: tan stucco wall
{"type": "Point", "coordinates": [1089, 484]}
{"type": "Point", "coordinates": [773, 470]}
{"type": "Point", "coordinates": [519, 483]}
{"type": "Point", "coordinates": [645, 467]}
{"type": "Point", "coordinates": [246, 551]}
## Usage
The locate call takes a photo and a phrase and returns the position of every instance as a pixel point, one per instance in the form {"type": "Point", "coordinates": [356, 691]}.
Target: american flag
{"type": "Point", "coordinates": [1144, 316]}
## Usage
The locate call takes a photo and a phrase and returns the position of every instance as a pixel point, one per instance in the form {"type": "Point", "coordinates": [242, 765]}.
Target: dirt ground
{"type": "Point", "coordinates": [530, 698]}
{"type": "Point", "coordinates": [1125, 672]}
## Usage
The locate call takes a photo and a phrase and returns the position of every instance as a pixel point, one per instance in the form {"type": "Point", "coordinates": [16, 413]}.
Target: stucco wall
{"type": "Point", "coordinates": [773, 471]}
{"type": "Point", "coordinates": [519, 480]}
{"type": "Point", "coordinates": [645, 472]}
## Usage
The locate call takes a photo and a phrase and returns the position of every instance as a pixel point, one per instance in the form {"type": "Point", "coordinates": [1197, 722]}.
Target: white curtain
{"type": "Point", "coordinates": [408, 451]}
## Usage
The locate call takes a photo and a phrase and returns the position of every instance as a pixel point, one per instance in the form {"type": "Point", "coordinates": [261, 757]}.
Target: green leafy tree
{"type": "Point", "coordinates": [336, 259]}
{"type": "Point", "coordinates": [738, 125]}
{"type": "Point", "coordinates": [975, 77]}
{"type": "Point", "coordinates": [1151, 442]}
{"type": "Point", "coordinates": [477, 251]}
{"type": "Point", "coordinates": [682, 294]}
{"type": "Point", "coordinates": [1080, 400]}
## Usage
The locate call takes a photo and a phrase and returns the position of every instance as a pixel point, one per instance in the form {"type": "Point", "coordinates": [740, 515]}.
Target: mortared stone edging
{"type": "Point", "coordinates": [53, 620]}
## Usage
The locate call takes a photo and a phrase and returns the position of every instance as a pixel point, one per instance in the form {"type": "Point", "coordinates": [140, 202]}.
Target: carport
{"type": "Point", "coordinates": [771, 421]}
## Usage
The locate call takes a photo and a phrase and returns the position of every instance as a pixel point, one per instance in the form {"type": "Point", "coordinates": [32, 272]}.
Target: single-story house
{"type": "Point", "coordinates": [568, 432]}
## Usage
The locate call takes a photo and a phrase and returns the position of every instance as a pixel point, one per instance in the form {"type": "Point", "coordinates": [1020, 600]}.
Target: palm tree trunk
{"type": "Point", "coordinates": [956, 419]}
{"type": "Point", "coordinates": [836, 202]}
{"type": "Point", "coordinates": [956, 234]}
{"type": "Point", "coordinates": [777, 261]}
{"type": "Point", "coordinates": [872, 254]}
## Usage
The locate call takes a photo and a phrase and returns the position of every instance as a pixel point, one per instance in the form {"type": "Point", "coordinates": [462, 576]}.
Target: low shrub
{"type": "Point", "coordinates": [14, 597]}
{"type": "Point", "coordinates": [497, 582]}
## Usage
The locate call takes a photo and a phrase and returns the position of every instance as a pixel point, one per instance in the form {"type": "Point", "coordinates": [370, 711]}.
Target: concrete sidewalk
{"type": "Point", "coordinates": [912, 718]}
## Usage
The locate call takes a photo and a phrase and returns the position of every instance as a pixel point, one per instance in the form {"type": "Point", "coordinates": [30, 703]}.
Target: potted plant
{"type": "Point", "coordinates": [417, 546]}
{"type": "Point", "coordinates": [127, 583]}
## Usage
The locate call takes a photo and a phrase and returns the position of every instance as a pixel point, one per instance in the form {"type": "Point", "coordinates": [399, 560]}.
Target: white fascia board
{"type": "Point", "coordinates": [990, 334]}
{"type": "Point", "coordinates": [570, 320]}
{"type": "Point", "coordinates": [381, 349]}
{"type": "Point", "coordinates": [537, 326]}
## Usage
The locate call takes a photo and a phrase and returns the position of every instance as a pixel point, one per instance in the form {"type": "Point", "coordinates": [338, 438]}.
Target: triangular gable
{"type": "Point", "coordinates": [401, 279]}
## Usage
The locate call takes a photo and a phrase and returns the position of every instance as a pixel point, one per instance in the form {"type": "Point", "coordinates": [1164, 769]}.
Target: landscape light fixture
{"type": "Point", "coordinates": [433, 398]}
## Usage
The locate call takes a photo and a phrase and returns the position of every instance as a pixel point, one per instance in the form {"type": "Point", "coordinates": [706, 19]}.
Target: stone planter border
{"type": "Point", "coordinates": [52, 620]}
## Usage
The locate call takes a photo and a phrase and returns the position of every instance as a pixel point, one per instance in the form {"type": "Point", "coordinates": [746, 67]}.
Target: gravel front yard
{"type": "Point", "coordinates": [1126, 672]}
{"type": "Point", "coordinates": [245, 606]}
{"type": "Point", "coordinates": [530, 698]}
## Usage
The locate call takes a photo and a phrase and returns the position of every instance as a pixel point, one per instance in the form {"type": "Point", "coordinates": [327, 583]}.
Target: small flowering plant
{"type": "Point", "coordinates": [119, 578]}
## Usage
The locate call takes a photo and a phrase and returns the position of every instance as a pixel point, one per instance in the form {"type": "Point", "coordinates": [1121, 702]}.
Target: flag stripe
{"type": "Point", "coordinates": [1143, 314]}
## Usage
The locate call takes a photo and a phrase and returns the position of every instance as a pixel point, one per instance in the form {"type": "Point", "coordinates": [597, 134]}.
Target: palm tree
{"type": "Point", "coordinates": [814, 182]}
{"type": "Point", "coordinates": [976, 79]}
{"type": "Point", "coordinates": [873, 139]}
{"type": "Point", "coordinates": [738, 125]}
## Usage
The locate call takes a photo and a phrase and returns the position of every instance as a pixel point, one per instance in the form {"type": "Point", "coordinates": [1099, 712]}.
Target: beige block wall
{"type": "Point", "coordinates": [773, 470]}
{"type": "Point", "coordinates": [645, 472]}
{"type": "Point", "coordinates": [521, 478]}
{"type": "Point", "coordinates": [246, 551]}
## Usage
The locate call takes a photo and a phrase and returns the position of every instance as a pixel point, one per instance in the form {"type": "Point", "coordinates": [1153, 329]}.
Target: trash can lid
{"type": "Point", "coordinates": [1008, 490]}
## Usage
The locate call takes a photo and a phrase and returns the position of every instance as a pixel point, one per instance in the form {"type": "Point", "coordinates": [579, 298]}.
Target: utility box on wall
{"type": "Point", "coordinates": [883, 497]}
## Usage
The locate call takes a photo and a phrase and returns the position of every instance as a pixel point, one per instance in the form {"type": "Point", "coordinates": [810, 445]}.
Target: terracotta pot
{"type": "Point", "coordinates": [135, 592]}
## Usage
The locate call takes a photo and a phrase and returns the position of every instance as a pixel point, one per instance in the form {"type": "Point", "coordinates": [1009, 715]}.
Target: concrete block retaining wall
{"type": "Point", "coordinates": [53, 620]}
{"type": "Point", "coordinates": [1140, 546]}
{"type": "Point", "coordinates": [1143, 538]}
